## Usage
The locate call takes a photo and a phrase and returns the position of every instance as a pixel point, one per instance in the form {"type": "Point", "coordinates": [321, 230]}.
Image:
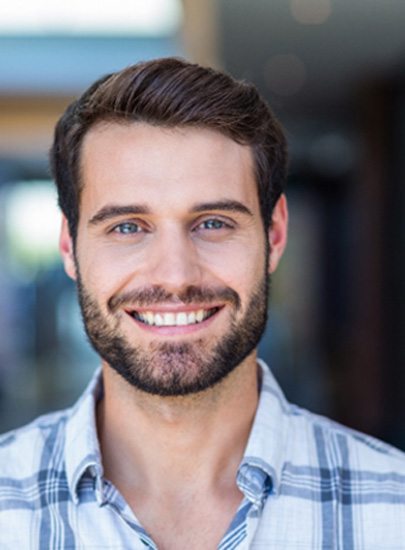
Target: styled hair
{"type": "Point", "coordinates": [171, 92]}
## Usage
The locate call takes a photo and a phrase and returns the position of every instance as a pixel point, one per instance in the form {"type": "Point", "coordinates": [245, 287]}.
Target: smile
{"type": "Point", "coordinates": [173, 319]}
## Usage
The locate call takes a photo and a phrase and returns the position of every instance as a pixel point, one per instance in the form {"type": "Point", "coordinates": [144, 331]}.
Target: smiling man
{"type": "Point", "coordinates": [170, 179]}
{"type": "Point", "coordinates": [161, 298]}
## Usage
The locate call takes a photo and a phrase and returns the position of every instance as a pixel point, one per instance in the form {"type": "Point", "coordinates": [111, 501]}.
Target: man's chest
{"type": "Point", "coordinates": [196, 523]}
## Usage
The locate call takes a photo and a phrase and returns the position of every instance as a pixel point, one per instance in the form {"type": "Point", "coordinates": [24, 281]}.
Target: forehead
{"type": "Point", "coordinates": [139, 162]}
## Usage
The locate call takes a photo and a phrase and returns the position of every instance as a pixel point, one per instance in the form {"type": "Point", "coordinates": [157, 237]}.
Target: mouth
{"type": "Point", "coordinates": [173, 318]}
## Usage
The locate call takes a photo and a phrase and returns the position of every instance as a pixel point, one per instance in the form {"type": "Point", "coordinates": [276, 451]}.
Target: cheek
{"type": "Point", "coordinates": [239, 267]}
{"type": "Point", "coordinates": [103, 270]}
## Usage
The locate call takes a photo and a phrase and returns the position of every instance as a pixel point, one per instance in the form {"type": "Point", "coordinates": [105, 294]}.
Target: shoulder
{"type": "Point", "coordinates": [336, 445]}
{"type": "Point", "coordinates": [27, 450]}
{"type": "Point", "coordinates": [336, 484]}
{"type": "Point", "coordinates": [317, 442]}
{"type": "Point", "coordinates": [313, 448]}
{"type": "Point", "coordinates": [339, 464]}
{"type": "Point", "coordinates": [27, 455]}
{"type": "Point", "coordinates": [348, 483]}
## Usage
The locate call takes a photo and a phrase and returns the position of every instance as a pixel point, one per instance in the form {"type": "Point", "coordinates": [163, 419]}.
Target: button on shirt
{"type": "Point", "coordinates": [307, 482]}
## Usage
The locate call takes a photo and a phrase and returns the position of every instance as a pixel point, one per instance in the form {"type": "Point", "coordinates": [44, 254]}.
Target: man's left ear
{"type": "Point", "coordinates": [278, 232]}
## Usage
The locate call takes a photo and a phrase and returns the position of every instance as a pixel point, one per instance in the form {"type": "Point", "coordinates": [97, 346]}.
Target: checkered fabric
{"type": "Point", "coordinates": [308, 484]}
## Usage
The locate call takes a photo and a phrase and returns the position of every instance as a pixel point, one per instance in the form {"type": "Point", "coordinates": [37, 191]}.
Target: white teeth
{"type": "Point", "coordinates": [159, 320]}
{"type": "Point", "coordinates": [169, 319]}
{"type": "Point", "coordinates": [191, 318]}
{"type": "Point", "coordinates": [149, 318]}
{"type": "Point", "coordinates": [181, 319]}
{"type": "Point", "coordinates": [199, 315]}
{"type": "Point", "coordinates": [173, 319]}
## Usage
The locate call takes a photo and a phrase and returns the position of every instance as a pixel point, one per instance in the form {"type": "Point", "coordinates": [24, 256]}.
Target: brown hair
{"type": "Point", "coordinates": [171, 92]}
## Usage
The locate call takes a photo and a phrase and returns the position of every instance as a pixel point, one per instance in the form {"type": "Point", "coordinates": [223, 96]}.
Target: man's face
{"type": "Point", "coordinates": [171, 257]}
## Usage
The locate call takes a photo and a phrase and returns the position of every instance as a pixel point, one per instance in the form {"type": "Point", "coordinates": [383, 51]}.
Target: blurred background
{"type": "Point", "coordinates": [334, 73]}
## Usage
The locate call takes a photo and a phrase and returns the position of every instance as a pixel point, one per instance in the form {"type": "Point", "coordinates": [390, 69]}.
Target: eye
{"type": "Point", "coordinates": [127, 228]}
{"type": "Point", "coordinates": [213, 223]}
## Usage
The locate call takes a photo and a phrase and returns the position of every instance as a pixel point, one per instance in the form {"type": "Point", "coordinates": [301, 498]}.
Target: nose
{"type": "Point", "coordinates": [174, 261]}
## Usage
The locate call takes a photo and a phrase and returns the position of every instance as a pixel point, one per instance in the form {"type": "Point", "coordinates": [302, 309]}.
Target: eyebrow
{"type": "Point", "coordinates": [112, 211]}
{"type": "Point", "coordinates": [227, 205]}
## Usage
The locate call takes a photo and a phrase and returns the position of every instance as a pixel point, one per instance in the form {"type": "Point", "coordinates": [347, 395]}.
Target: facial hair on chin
{"type": "Point", "coordinates": [182, 368]}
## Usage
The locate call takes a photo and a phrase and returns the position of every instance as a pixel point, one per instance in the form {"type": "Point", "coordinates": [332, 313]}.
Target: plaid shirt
{"type": "Point", "coordinates": [308, 484]}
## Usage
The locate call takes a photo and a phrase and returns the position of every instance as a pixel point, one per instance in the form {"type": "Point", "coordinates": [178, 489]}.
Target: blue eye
{"type": "Point", "coordinates": [127, 228]}
{"type": "Point", "coordinates": [213, 224]}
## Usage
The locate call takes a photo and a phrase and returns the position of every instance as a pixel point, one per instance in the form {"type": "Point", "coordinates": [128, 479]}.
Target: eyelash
{"type": "Point", "coordinates": [116, 228]}
{"type": "Point", "coordinates": [219, 224]}
{"type": "Point", "coordinates": [223, 223]}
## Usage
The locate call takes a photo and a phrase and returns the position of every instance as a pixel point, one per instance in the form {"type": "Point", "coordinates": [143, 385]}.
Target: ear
{"type": "Point", "coordinates": [278, 232]}
{"type": "Point", "coordinates": [66, 249]}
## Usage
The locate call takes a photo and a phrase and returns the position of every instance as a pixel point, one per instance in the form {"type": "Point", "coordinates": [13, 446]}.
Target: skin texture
{"type": "Point", "coordinates": [178, 368]}
{"type": "Point", "coordinates": [170, 219]}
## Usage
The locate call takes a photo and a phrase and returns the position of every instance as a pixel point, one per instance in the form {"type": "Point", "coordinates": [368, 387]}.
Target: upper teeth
{"type": "Point", "coordinates": [161, 319]}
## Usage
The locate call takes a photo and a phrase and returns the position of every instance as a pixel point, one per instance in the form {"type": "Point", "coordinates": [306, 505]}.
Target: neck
{"type": "Point", "coordinates": [152, 443]}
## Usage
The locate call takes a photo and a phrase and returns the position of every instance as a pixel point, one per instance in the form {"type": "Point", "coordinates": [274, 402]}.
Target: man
{"type": "Point", "coordinates": [170, 179]}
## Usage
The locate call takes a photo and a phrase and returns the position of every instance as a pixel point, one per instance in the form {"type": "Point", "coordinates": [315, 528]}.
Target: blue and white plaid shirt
{"type": "Point", "coordinates": [308, 484]}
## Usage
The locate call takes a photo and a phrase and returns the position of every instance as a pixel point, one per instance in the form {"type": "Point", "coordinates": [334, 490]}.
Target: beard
{"type": "Point", "coordinates": [172, 369]}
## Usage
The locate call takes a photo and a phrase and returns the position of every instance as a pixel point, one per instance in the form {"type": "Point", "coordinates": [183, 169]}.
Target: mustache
{"type": "Point", "coordinates": [154, 295]}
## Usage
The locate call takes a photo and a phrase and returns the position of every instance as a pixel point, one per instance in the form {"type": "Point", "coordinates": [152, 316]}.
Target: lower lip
{"type": "Point", "coordinates": [176, 330]}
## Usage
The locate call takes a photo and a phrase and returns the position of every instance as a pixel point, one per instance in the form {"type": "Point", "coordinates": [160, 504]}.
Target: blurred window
{"type": "Point", "coordinates": [134, 17]}
{"type": "Point", "coordinates": [32, 221]}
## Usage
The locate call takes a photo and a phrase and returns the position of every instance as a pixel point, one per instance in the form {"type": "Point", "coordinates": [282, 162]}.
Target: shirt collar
{"type": "Point", "coordinates": [258, 473]}
{"type": "Point", "coordinates": [82, 449]}
{"type": "Point", "coordinates": [265, 453]}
